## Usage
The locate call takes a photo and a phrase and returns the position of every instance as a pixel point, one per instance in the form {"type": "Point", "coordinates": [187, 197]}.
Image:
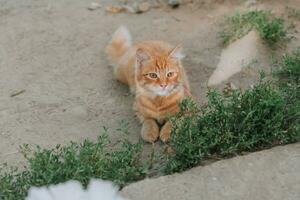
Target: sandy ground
{"type": "Point", "coordinates": [53, 51]}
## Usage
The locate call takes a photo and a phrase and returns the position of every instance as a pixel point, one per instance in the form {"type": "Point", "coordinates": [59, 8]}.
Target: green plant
{"type": "Point", "coordinates": [229, 124]}
{"type": "Point", "coordinates": [77, 161]}
{"type": "Point", "coordinates": [270, 28]}
{"type": "Point", "coordinates": [288, 74]}
{"type": "Point", "coordinates": [289, 69]}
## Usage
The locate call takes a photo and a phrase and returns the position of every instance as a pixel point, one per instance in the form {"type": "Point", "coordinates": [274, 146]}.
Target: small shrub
{"type": "Point", "coordinates": [74, 161]}
{"type": "Point", "coordinates": [289, 69]}
{"type": "Point", "coordinates": [288, 74]}
{"type": "Point", "coordinates": [229, 124]}
{"type": "Point", "coordinates": [271, 29]}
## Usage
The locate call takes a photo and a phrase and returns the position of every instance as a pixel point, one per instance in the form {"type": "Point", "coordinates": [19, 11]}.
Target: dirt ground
{"type": "Point", "coordinates": [52, 54]}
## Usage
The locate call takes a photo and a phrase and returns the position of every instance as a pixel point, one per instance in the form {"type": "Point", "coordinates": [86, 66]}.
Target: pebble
{"type": "Point", "coordinates": [137, 8]}
{"type": "Point", "coordinates": [94, 6]}
{"type": "Point", "coordinates": [174, 3]}
{"type": "Point", "coordinates": [143, 7]}
{"type": "Point", "coordinates": [131, 9]}
{"type": "Point", "coordinates": [114, 9]}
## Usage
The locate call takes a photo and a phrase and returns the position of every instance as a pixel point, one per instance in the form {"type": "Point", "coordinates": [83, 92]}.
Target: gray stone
{"type": "Point", "coordinates": [174, 3]}
{"type": "Point", "coordinates": [269, 174]}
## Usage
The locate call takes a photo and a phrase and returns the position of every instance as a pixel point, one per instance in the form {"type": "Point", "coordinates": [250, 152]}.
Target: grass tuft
{"type": "Point", "coordinates": [288, 74]}
{"type": "Point", "coordinates": [270, 28]}
{"type": "Point", "coordinates": [77, 161]}
{"type": "Point", "coordinates": [227, 125]}
{"type": "Point", "coordinates": [289, 69]}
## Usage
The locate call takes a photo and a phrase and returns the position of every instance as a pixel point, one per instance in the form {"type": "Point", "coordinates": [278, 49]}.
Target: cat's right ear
{"type": "Point", "coordinates": [176, 53]}
{"type": "Point", "coordinates": [141, 55]}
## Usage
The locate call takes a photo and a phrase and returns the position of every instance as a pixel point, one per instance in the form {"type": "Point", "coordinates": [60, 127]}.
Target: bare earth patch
{"type": "Point", "coordinates": [55, 82]}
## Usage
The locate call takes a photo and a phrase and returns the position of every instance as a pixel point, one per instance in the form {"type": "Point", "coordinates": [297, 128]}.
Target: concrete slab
{"type": "Point", "coordinates": [269, 174]}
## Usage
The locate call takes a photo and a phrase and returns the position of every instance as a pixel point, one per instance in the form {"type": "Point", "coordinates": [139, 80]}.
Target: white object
{"type": "Point", "coordinates": [73, 190]}
{"type": "Point", "coordinates": [94, 6]}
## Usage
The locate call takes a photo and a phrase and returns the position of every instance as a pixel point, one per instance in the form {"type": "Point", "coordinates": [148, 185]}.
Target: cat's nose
{"type": "Point", "coordinates": [163, 85]}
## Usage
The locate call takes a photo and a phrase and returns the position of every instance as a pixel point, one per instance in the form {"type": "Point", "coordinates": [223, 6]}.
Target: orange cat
{"type": "Point", "coordinates": [153, 71]}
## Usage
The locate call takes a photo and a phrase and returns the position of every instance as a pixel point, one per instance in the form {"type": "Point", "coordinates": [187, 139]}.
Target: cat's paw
{"type": "Point", "coordinates": [150, 131]}
{"type": "Point", "coordinates": [165, 132]}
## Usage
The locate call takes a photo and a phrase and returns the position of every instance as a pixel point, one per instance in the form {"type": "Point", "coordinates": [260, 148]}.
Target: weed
{"type": "Point", "coordinates": [270, 28]}
{"type": "Point", "coordinates": [288, 74]}
{"type": "Point", "coordinates": [289, 69]}
{"type": "Point", "coordinates": [260, 117]}
{"type": "Point", "coordinates": [74, 161]}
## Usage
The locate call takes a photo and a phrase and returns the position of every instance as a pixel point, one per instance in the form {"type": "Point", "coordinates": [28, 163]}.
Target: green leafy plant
{"type": "Point", "coordinates": [288, 70]}
{"type": "Point", "coordinates": [288, 74]}
{"type": "Point", "coordinates": [229, 124]}
{"type": "Point", "coordinates": [77, 161]}
{"type": "Point", "coordinates": [270, 28]}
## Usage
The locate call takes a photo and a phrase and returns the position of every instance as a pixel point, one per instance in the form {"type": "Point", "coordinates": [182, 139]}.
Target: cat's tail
{"type": "Point", "coordinates": [118, 45]}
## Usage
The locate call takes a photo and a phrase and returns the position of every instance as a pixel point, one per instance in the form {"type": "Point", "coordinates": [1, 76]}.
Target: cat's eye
{"type": "Point", "coordinates": [170, 74]}
{"type": "Point", "coordinates": [152, 75]}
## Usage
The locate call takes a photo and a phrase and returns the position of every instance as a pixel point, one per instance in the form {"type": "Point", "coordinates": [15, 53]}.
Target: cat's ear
{"type": "Point", "coordinates": [141, 55]}
{"type": "Point", "coordinates": [176, 53]}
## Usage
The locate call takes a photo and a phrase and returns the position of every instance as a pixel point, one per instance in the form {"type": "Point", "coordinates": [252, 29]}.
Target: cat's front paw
{"type": "Point", "coordinates": [165, 132]}
{"type": "Point", "coordinates": [150, 131]}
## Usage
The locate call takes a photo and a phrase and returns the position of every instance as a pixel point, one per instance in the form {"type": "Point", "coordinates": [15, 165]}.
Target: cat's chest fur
{"type": "Point", "coordinates": [158, 107]}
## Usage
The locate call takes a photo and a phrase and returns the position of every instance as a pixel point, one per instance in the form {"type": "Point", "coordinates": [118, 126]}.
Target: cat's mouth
{"type": "Point", "coordinates": [162, 91]}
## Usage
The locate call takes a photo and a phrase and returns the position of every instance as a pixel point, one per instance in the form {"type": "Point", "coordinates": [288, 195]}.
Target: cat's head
{"type": "Point", "coordinates": [159, 73]}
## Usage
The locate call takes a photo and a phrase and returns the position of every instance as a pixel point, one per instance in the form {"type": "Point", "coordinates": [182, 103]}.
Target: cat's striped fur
{"type": "Point", "coordinates": [154, 72]}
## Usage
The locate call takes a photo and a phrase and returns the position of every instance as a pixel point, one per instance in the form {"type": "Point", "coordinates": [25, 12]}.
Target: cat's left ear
{"type": "Point", "coordinates": [176, 53]}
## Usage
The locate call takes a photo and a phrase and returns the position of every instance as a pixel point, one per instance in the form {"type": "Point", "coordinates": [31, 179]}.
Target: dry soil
{"type": "Point", "coordinates": [55, 82]}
